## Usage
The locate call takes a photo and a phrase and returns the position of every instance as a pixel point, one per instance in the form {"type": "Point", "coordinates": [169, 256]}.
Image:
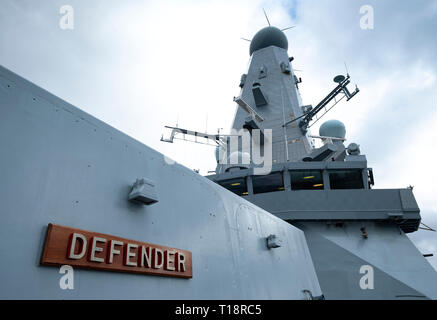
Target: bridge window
{"type": "Point", "coordinates": [237, 186]}
{"type": "Point", "coordinates": [306, 180]}
{"type": "Point", "coordinates": [346, 179]}
{"type": "Point", "coordinates": [268, 183]}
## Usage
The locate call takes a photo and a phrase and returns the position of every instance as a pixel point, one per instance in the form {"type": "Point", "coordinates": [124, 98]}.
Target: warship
{"type": "Point", "coordinates": [90, 213]}
{"type": "Point", "coordinates": [350, 228]}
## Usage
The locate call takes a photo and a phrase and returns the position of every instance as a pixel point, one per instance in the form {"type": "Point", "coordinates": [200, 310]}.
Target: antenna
{"type": "Point", "coordinates": [428, 228]}
{"type": "Point", "coordinates": [266, 17]}
{"type": "Point", "coordinates": [206, 125]}
{"type": "Point", "coordinates": [210, 139]}
{"type": "Point", "coordinates": [341, 88]}
{"type": "Point", "coordinates": [347, 71]}
{"type": "Point", "coordinates": [288, 28]}
{"type": "Point", "coordinates": [245, 39]}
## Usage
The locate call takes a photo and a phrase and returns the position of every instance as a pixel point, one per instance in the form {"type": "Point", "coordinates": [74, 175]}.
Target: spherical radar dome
{"type": "Point", "coordinates": [269, 36]}
{"type": "Point", "coordinates": [333, 128]}
{"type": "Point", "coordinates": [238, 157]}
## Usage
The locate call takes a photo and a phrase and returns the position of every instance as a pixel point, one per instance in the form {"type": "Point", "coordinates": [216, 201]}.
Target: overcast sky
{"type": "Point", "coordinates": [140, 65]}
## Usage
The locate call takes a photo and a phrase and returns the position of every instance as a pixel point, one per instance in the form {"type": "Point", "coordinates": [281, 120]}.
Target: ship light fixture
{"type": "Point", "coordinates": [364, 233]}
{"type": "Point", "coordinates": [143, 191]}
{"type": "Point", "coordinates": [273, 241]}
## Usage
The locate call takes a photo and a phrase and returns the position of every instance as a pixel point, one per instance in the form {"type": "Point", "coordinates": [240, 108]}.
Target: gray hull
{"type": "Point", "coordinates": [339, 252]}
{"type": "Point", "coordinates": [60, 165]}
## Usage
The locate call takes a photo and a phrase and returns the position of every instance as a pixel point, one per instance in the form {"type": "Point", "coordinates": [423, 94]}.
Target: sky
{"type": "Point", "coordinates": [140, 65]}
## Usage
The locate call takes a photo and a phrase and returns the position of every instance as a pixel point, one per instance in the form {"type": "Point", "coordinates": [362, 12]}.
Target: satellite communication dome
{"type": "Point", "coordinates": [242, 158]}
{"type": "Point", "coordinates": [268, 36]}
{"type": "Point", "coordinates": [333, 128]}
{"type": "Point", "coordinates": [353, 149]}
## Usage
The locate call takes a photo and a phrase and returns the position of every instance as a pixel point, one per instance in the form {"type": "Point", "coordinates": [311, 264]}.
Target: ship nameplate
{"type": "Point", "coordinates": [91, 250]}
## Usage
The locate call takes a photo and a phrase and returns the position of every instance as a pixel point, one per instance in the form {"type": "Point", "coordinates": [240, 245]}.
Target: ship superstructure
{"type": "Point", "coordinates": [352, 230]}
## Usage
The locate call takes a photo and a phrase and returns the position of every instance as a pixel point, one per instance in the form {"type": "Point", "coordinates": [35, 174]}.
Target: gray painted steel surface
{"type": "Point", "coordinates": [339, 252]}
{"type": "Point", "coordinates": [283, 104]}
{"type": "Point", "coordinates": [60, 165]}
{"type": "Point", "coordinates": [394, 205]}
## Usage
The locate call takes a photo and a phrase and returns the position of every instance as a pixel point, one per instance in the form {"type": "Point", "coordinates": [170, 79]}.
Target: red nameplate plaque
{"type": "Point", "coordinates": [91, 250]}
